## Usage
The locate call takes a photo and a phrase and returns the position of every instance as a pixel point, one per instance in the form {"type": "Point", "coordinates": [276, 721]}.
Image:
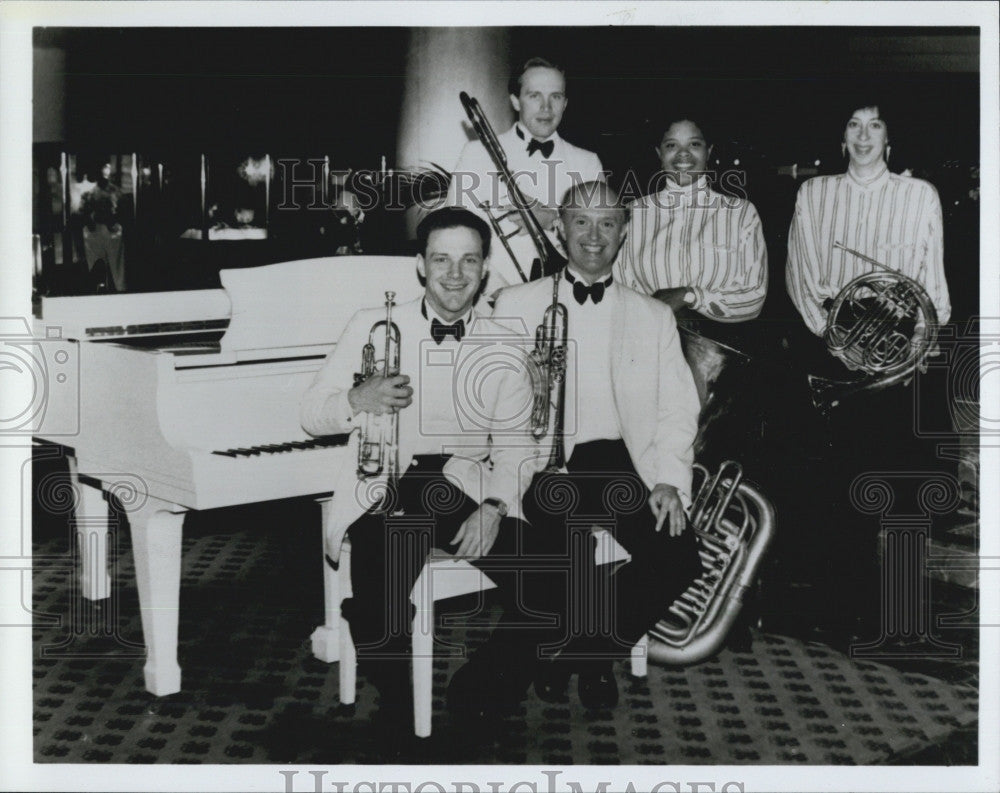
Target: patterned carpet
{"type": "Point", "coordinates": [254, 694]}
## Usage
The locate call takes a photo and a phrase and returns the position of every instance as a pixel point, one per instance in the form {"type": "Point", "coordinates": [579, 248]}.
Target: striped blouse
{"type": "Point", "coordinates": [701, 239]}
{"type": "Point", "coordinates": [895, 220]}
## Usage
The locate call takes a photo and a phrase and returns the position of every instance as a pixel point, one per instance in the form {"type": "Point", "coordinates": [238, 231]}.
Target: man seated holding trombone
{"type": "Point", "coordinates": [441, 403]}
{"type": "Point", "coordinates": [618, 413]}
{"type": "Point", "coordinates": [532, 154]}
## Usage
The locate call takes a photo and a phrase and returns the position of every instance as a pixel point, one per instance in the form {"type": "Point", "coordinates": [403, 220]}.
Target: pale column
{"type": "Point", "coordinates": [440, 63]}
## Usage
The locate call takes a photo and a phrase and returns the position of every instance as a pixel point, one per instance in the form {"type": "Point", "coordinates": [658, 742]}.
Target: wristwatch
{"type": "Point", "coordinates": [501, 506]}
{"type": "Point", "coordinates": [690, 297]}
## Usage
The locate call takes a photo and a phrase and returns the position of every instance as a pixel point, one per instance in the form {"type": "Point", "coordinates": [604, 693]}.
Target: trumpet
{"type": "Point", "coordinates": [378, 448]}
{"type": "Point", "coordinates": [549, 384]}
{"type": "Point", "coordinates": [883, 324]}
{"type": "Point", "coordinates": [549, 259]}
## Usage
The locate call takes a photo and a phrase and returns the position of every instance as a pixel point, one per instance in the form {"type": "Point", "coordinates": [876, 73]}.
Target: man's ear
{"type": "Point", "coordinates": [516, 103]}
{"type": "Point", "coordinates": [421, 269]}
{"type": "Point", "coordinates": [559, 228]}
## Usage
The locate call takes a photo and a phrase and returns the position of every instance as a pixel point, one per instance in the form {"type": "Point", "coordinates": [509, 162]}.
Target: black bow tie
{"type": "Point", "coordinates": [545, 147]}
{"type": "Point", "coordinates": [439, 330]}
{"type": "Point", "coordinates": [581, 291]}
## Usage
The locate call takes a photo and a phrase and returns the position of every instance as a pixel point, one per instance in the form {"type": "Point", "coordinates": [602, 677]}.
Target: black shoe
{"type": "Point", "coordinates": [486, 689]}
{"type": "Point", "coordinates": [391, 680]}
{"type": "Point", "coordinates": [552, 680]}
{"type": "Point", "coordinates": [597, 686]}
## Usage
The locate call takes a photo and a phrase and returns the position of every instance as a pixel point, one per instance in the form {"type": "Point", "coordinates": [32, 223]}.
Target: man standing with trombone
{"type": "Point", "coordinates": [543, 165]}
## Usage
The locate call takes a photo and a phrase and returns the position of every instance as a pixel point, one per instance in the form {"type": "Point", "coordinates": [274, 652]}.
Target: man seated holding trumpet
{"type": "Point", "coordinates": [618, 440]}
{"type": "Point", "coordinates": [440, 446]}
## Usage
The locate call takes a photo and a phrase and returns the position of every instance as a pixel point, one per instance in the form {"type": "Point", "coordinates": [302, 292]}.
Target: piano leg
{"type": "Point", "coordinates": [156, 541]}
{"type": "Point", "coordinates": [326, 638]}
{"type": "Point", "coordinates": [91, 527]}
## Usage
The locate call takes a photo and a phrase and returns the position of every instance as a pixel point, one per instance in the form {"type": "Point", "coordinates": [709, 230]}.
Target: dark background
{"type": "Point", "coordinates": [767, 96]}
{"type": "Point", "coordinates": [779, 89]}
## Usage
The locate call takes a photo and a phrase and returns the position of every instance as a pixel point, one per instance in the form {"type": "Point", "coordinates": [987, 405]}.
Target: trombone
{"type": "Point", "coordinates": [549, 259]}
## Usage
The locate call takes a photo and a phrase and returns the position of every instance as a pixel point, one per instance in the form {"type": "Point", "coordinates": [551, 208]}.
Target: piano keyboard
{"type": "Point", "coordinates": [291, 446]}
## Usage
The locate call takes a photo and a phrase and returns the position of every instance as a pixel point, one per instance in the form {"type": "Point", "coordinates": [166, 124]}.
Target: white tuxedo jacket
{"type": "Point", "coordinates": [655, 401]}
{"type": "Point", "coordinates": [475, 181]}
{"type": "Point", "coordinates": [490, 448]}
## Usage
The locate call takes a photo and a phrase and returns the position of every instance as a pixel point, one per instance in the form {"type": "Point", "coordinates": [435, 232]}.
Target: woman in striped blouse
{"type": "Point", "coordinates": [690, 246]}
{"type": "Point", "coordinates": [893, 219]}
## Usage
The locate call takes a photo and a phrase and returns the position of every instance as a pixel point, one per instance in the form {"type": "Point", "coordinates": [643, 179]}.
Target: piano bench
{"type": "Point", "coordinates": [441, 578]}
{"type": "Point", "coordinates": [444, 577]}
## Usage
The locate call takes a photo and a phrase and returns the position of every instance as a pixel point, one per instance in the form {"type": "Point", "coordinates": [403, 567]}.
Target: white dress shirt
{"type": "Point", "coordinates": [589, 364]}
{"type": "Point", "coordinates": [475, 181]}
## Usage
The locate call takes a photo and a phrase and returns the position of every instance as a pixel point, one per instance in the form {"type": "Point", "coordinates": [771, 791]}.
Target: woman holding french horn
{"type": "Point", "coordinates": [867, 219]}
{"type": "Point", "coordinates": [866, 273]}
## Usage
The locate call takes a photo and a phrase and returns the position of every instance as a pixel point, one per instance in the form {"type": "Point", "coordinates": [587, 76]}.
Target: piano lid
{"type": "Point", "coordinates": [307, 303]}
{"type": "Point", "coordinates": [297, 308]}
{"type": "Point", "coordinates": [123, 316]}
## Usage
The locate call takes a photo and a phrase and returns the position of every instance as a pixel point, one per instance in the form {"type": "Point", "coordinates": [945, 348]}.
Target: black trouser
{"type": "Point", "coordinates": [388, 551]}
{"type": "Point", "coordinates": [824, 539]}
{"type": "Point", "coordinates": [578, 607]}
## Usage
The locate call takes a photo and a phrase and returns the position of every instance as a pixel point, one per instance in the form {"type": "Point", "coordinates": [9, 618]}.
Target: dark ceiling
{"type": "Point", "coordinates": [782, 91]}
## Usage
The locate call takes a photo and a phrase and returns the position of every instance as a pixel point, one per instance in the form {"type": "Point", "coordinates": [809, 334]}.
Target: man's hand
{"type": "Point", "coordinates": [665, 502]}
{"type": "Point", "coordinates": [545, 217]}
{"type": "Point", "coordinates": [478, 533]}
{"type": "Point", "coordinates": [380, 394]}
{"type": "Point", "coordinates": [673, 297]}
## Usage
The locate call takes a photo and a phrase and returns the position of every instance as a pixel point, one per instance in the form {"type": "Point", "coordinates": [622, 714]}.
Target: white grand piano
{"type": "Point", "coordinates": [190, 400]}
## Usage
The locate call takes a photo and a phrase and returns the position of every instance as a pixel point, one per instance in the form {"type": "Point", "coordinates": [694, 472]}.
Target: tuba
{"type": "Point", "coordinates": [882, 323]}
{"type": "Point", "coordinates": [549, 259]}
{"type": "Point", "coordinates": [378, 447]}
{"type": "Point", "coordinates": [734, 525]}
{"type": "Point", "coordinates": [549, 377]}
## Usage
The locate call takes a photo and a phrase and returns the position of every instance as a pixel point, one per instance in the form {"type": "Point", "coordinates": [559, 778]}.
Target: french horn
{"type": "Point", "coordinates": [883, 324]}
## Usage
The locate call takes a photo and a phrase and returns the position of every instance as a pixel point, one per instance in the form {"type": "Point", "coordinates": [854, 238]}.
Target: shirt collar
{"type": "Point", "coordinates": [524, 135]}
{"type": "Point", "coordinates": [572, 275]}
{"type": "Point", "coordinates": [873, 184]}
{"type": "Point", "coordinates": [674, 194]}
{"type": "Point", "coordinates": [429, 314]}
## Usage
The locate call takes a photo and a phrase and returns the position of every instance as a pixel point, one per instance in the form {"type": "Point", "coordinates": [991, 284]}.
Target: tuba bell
{"type": "Point", "coordinates": [734, 525]}
{"type": "Point", "coordinates": [882, 323]}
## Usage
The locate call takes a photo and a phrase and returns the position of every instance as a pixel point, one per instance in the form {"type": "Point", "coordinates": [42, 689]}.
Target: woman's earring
{"type": "Point", "coordinates": [843, 149]}
{"type": "Point", "coordinates": [888, 149]}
